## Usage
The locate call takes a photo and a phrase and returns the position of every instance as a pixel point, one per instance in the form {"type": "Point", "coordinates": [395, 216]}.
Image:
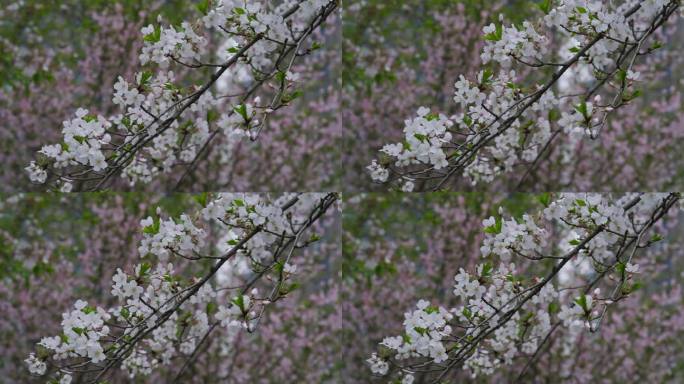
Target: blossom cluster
{"type": "Point", "coordinates": [424, 330]}
{"type": "Point", "coordinates": [82, 330]}
{"type": "Point", "coordinates": [163, 43]}
{"type": "Point", "coordinates": [165, 237]}
{"type": "Point", "coordinates": [84, 138]}
{"type": "Point", "coordinates": [507, 341]}
{"type": "Point", "coordinates": [258, 17]}
{"type": "Point", "coordinates": [584, 213]}
{"type": "Point", "coordinates": [244, 212]}
{"type": "Point", "coordinates": [507, 43]}
{"type": "Point", "coordinates": [424, 137]}
{"type": "Point", "coordinates": [508, 238]}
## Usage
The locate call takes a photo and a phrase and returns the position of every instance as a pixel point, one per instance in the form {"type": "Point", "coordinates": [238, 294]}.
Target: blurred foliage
{"type": "Point", "coordinates": [41, 25]}
{"type": "Point", "coordinates": [65, 222]}
{"type": "Point", "coordinates": [393, 217]}
{"type": "Point", "coordinates": [385, 25]}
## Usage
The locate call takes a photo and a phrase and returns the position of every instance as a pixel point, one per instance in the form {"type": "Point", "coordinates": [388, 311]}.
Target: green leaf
{"type": "Point", "coordinates": [406, 338]}
{"type": "Point", "coordinates": [527, 317]}
{"type": "Point", "coordinates": [632, 96]}
{"type": "Point", "coordinates": [496, 35]}
{"type": "Point", "coordinates": [487, 268]}
{"type": "Point", "coordinates": [145, 78]}
{"type": "Point", "coordinates": [626, 290]}
{"type": "Point", "coordinates": [431, 309]}
{"type": "Point", "coordinates": [203, 6]}
{"type": "Point", "coordinates": [656, 237]}
{"type": "Point", "coordinates": [495, 228]}
{"type": "Point", "coordinates": [582, 302]}
{"type": "Point", "coordinates": [553, 307]}
{"type": "Point", "coordinates": [582, 109]}
{"type": "Point", "coordinates": [545, 199]}
{"type": "Point", "coordinates": [202, 199]}
{"type": "Point", "coordinates": [284, 290]}
{"type": "Point", "coordinates": [155, 36]}
{"type": "Point", "coordinates": [212, 115]}
{"type": "Point", "coordinates": [291, 96]}
{"type": "Point", "coordinates": [581, 10]}
{"type": "Point", "coordinates": [242, 110]}
{"type": "Point", "coordinates": [279, 266]}
{"type": "Point", "coordinates": [88, 309]}
{"type": "Point", "coordinates": [239, 301]}
{"type": "Point", "coordinates": [622, 75]}
{"type": "Point", "coordinates": [405, 144]}
{"type": "Point", "coordinates": [153, 228]}
{"type": "Point", "coordinates": [487, 75]}
{"type": "Point", "coordinates": [314, 237]}
{"type": "Point", "coordinates": [171, 87]}
{"type": "Point", "coordinates": [144, 268]}
{"type": "Point", "coordinates": [545, 6]}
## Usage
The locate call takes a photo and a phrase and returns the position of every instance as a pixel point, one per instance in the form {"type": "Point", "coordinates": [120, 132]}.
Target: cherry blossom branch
{"type": "Point", "coordinates": [256, 230]}
{"type": "Point", "coordinates": [292, 52]}
{"type": "Point", "coordinates": [275, 292]}
{"type": "Point", "coordinates": [536, 354]}
{"type": "Point", "coordinates": [502, 124]}
{"type": "Point", "coordinates": [502, 316]}
{"type": "Point", "coordinates": [161, 127]}
{"type": "Point", "coordinates": [659, 212]}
